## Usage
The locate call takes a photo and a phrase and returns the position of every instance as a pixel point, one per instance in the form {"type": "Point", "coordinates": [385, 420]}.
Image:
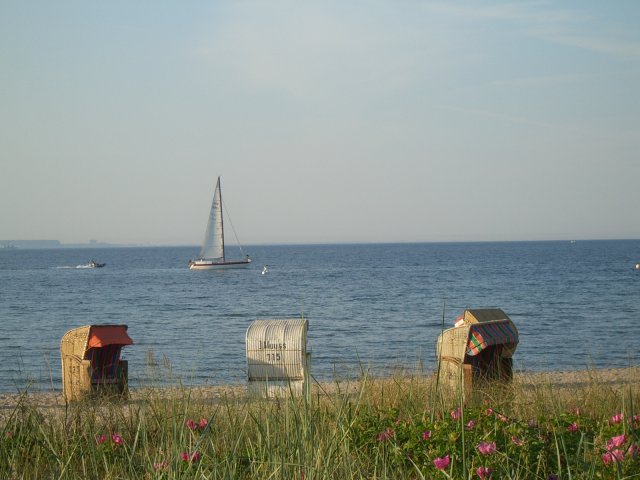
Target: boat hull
{"type": "Point", "coordinates": [208, 265]}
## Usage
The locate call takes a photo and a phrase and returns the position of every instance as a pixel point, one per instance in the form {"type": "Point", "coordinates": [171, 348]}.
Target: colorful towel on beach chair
{"type": "Point", "coordinates": [484, 335]}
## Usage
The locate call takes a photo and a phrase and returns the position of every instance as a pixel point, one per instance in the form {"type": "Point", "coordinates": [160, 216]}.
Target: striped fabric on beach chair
{"type": "Point", "coordinates": [104, 363]}
{"type": "Point", "coordinates": [484, 335]}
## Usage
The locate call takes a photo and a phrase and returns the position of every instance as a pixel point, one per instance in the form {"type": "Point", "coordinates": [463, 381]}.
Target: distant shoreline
{"type": "Point", "coordinates": [57, 244]}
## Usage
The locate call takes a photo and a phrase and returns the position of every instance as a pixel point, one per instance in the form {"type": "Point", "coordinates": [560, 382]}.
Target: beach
{"type": "Point", "coordinates": [567, 380]}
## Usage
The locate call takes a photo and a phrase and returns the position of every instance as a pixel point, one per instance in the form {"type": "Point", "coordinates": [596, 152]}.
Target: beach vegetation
{"type": "Point", "coordinates": [400, 426]}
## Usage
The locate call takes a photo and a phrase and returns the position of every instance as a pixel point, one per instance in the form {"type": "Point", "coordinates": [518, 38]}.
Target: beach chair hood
{"type": "Point", "coordinates": [478, 330]}
{"type": "Point", "coordinates": [103, 335]}
{"type": "Point", "coordinates": [488, 327]}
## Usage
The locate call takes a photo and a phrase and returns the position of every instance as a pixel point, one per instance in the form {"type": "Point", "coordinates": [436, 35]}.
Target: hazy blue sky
{"type": "Point", "coordinates": [332, 121]}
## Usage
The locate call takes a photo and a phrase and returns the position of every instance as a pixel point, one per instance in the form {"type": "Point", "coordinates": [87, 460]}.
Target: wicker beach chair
{"type": "Point", "coordinates": [278, 359]}
{"type": "Point", "coordinates": [477, 350]}
{"type": "Point", "coordinates": [91, 362]}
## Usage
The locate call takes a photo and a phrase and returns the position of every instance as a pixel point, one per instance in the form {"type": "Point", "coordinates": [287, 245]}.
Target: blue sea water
{"type": "Point", "coordinates": [377, 306]}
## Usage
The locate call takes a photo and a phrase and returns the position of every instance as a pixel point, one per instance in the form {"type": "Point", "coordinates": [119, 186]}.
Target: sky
{"type": "Point", "coordinates": [328, 121]}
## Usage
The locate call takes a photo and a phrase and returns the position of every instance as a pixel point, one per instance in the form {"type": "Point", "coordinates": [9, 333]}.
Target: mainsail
{"type": "Point", "coordinates": [213, 245]}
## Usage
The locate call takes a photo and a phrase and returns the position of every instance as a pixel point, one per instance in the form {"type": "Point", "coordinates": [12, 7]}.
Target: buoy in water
{"type": "Point", "coordinates": [637, 266]}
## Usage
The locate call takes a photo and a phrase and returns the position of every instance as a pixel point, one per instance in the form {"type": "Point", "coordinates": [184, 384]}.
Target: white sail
{"type": "Point", "coordinates": [213, 245]}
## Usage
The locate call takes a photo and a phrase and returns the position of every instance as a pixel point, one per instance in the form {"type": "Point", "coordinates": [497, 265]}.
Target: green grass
{"type": "Point", "coordinates": [391, 428]}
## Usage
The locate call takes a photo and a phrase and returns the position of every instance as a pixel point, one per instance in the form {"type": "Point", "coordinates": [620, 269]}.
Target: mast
{"type": "Point", "coordinates": [221, 218]}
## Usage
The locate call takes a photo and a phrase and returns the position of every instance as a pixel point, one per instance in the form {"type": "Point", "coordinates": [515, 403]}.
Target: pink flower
{"type": "Point", "coordinates": [502, 418]}
{"type": "Point", "coordinates": [203, 423]}
{"type": "Point", "coordinates": [488, 412]}
{"type": "Point", "coordinates": [633, 451]}
{"type": "Point", "coordinates": [457, 413]}
{"type": "Point", "coordinates": [100, 439]}
{"type": "Point", "coordinates": [486, 448]}
{"type": "Point", "coordinates": [573, 427]}
{"type": "Point", "coordinates": [191, 425]}
{"type": "Point", "coordinates": [426, 435]}
{"type": "Point", "coordinates": [616, 442]}
{"type": "Point", "coordinates": [517, 441]}
{"type": "Point", "coordinates": [117, 439]}
{"type": "Point", "coordinates": [483, 472]}
{"type": "Point", "coordinates": [471, 424]}
{"type": "Point", "coordinates": [618, 455]}
{"type": "Point", "coordinates": [607, 458]}
{"type": "Point", "coordinates": [612, 457]}
{"type": "Point", "coordinates": [161, 465]}
{"type": "Point", "coordinates": [442, 462]}
{"type": "Point", "coordinates": [386, 435]}
{"type": "Point", "coordinates": [617, 418]}
{"type": "Point", "coordinates": [190, 457]}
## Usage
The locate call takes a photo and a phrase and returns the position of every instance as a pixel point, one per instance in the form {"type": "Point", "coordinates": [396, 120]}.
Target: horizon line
{"type": "Point", "coordinates": [10, 244]}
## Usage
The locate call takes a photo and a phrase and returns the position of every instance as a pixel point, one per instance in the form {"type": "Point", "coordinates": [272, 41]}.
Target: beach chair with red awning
{"type": "Point", "coordinates": [91, 362]}
{"type": "Point", "coordinates": [478, 349]}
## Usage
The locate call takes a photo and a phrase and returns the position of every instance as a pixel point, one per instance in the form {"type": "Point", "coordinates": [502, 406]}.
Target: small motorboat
{"type": "Point", "coordinates": [94, 264]}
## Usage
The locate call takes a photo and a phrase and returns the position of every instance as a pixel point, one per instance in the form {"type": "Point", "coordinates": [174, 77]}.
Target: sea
{"type": "Point", "coordinates": [375, 308]}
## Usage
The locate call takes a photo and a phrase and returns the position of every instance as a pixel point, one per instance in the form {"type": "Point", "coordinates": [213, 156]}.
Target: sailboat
{"type": "Point", "coordinates": [212, 252]}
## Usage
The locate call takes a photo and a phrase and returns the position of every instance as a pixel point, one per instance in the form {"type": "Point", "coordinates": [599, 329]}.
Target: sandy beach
{"type": "Point", "coordinates": [54, 402]}
{"type": "Point", "coordinates": [609, 376]}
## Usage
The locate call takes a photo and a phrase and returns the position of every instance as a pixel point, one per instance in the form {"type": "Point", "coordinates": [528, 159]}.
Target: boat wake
{"type": "Point", "coordinates": [86, 265]}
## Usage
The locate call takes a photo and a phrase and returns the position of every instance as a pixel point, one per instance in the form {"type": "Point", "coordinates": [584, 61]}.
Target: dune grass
{"type": "Point", "coordinates": [390, 428]}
